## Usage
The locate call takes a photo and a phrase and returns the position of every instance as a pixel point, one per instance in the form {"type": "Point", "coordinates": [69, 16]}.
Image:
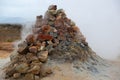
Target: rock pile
{"type": "Point", "coordinates": [54, 37]}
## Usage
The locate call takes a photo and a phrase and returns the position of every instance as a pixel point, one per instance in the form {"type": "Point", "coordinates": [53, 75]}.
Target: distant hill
{"type": "Point", "coordinates": [12, 20]}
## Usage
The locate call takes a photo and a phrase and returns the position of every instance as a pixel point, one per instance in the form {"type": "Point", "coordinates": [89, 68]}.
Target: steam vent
{"type": "Point", "coordinates": [55, 39]}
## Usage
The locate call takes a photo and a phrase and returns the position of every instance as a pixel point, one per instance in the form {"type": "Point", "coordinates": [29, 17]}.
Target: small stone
{"type": "Point", "coordinates": [35, 69]}
{"type": "Point", "coordinates": [33, 49]}
{"type": "Point", "coordinates": [43, 37]}
{"type": "Point", "coordinates": [49, 42]}
{"type": "Point", "coordinates": [46, 28]}
{"type": "Point", "coordinates": [22, 48]}
{"type": "Point", "coordinates": [72, 23]}
{"type": "Point", "coordinates": [55, 30]}
{"type": "Point", "coordinates": [29, 76]}
{"type": "Point", "coordinates": [42, 46]}
{"type": "Point", "coordinates": [13, 56]}
{"type": "Point", "coordinates": [16, 75]}
{"type": "Point", "coordinates": [60, 11]}
{"type": "Point", "coordinates": [22, 58]}
{"type": "Point", "coordinates": [51, 23]}
{"type": "Point", "coordinates": [39, 21]}
{"type": "Point", "coordinates": [56, 41]}
{"type": "Point", "coordinates": [52, 7]}
{"type": "Point", "coordinates": [38, 44]}
{"type": "Point", "coordinates": [51, 17]}
{"type": "Point", "coordinates": [52, 12]}
{"type": "Point", "coordinates": [31, 57]}
{"type": "Point", "coordinates": [30, 39]}
{"type": "Point", "coordinates": [43, 55]}
{"type": "Point", "coordinates": [22, 68]}
{"type": "Point", "coordinates": [37, 78]}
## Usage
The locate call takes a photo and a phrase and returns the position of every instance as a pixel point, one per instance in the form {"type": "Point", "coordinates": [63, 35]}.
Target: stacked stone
{"type": "Point", "coordinates": [54, 35]}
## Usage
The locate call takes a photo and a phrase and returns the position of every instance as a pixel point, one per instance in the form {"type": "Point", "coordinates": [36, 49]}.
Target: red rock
{"type": "Point", "coordinates": [44, 37]}
{"type": "Point", "coordinates": [46, 28]}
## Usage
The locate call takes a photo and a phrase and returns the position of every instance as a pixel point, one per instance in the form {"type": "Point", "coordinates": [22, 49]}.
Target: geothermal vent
{"type": "Point", "coordinates": [55, 38]}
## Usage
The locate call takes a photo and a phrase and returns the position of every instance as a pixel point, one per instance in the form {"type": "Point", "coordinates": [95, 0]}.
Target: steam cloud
{"type": "Point", "coordinates": [99, 20]}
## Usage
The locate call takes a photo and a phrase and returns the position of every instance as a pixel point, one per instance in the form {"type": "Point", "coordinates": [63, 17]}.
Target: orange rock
{"type": "Point", "coordinates": [44, 37]}
{"type": "Point", "coordinates": [30, 39]}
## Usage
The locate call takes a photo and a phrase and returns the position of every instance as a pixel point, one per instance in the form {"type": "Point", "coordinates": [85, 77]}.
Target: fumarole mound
{"type": "Point", "coordinates": [55, 38]}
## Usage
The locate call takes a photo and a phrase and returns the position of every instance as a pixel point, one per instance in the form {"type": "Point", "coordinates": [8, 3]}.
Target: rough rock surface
{"type": "Point", "coordinates": [55, 37]}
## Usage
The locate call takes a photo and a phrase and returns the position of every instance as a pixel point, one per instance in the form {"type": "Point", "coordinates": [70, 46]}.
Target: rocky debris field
{"type": "Point", "coordinates": [56, 40]}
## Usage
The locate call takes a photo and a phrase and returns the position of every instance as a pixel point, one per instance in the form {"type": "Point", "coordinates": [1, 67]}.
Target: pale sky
{"type": "Point", "coordinates": [99, 20]}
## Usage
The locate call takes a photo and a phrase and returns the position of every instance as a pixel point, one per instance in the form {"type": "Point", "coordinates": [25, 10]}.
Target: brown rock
{"type": "Point", "coordinates": [43, 44]}
{"type": "Point", "coordinates": [43, 55]}
{"type": "Point", "coordinates": [30, 39]}
{"type": "Point", "coordinates": [9, 72]}
{"type": "Point", "coordinates": [38, 44]}
{"type": "Point", "coordinates": [46, 28]}
{"type": "Point", "coordinates": [35, 69]}
{"type": "Point", "coordinates": [16, 75]}
{"type": "Point", "coordinates": [29, 76]}
{"type": "Point", "coordinates": [33, 49]}
{"type": "Point", "coordinates": [39, 21]}
{"type": "Point", "coordinates": [22, 48]}
{"type": "Point", "coordinates": [52, 7]}
{"type": "Point", "coordinates": [32, 57]}
{"type": "Point", "coordinates": [22, 68]}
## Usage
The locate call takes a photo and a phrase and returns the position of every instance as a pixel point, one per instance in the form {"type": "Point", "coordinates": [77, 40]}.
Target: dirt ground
{"type": "Point", "coordinates": [66, 71]}
{"type": "Point", "coordinates": [5, 49]}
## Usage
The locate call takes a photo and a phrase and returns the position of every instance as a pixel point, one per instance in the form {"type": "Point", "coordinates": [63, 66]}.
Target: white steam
{"type": "Point", "coordinates": [99, 20]}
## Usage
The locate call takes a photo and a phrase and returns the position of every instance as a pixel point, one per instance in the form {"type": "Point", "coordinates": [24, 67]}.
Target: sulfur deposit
{"type": "Point", "coordinates": [55, 37]}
